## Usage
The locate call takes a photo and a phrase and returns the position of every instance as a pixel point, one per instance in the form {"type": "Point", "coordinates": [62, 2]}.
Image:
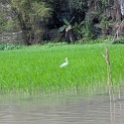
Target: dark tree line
{"type": "Point", "coordinates": [58, 20]}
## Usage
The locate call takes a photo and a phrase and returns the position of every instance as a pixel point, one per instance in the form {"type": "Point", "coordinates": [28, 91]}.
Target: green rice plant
{"type": "Point", "coordinates": [8, 46]}
{"type": "Point", "coordinates": [37, 68]}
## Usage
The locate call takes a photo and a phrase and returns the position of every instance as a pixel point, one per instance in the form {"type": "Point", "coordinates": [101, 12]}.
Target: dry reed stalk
{"type": "Point", "coordinates": [110, 82]}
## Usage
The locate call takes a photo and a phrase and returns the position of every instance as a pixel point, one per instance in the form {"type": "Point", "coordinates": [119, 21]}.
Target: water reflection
{"type": "Point", "coordinates": [61, 109]}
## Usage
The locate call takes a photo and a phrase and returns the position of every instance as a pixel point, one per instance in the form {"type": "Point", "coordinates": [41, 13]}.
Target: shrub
{"type": "Point", "coordinates": [8, 46]}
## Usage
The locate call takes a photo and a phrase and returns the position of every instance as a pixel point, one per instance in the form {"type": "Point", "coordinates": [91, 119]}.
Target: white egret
{"type": "Point", "coordinates": [65, 63]}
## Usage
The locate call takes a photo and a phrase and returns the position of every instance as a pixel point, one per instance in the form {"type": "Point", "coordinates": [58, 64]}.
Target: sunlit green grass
{"type": "Point", "coordinates": [36, 68]}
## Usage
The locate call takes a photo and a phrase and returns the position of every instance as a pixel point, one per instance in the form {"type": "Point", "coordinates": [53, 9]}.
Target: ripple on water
{"type": "Point", "coordinates": [70, 109]}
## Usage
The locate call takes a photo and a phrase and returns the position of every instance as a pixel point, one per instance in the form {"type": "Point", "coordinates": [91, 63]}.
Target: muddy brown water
{"type": "Point", "coordinates": [61, 109]}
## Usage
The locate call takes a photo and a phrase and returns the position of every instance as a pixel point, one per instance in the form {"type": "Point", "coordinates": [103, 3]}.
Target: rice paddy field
{"type": "Point", "coordinates": [37, 68]}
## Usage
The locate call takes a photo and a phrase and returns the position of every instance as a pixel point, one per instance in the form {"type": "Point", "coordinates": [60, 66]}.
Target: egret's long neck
{"type": "Point", "coordinates": [66, 60]}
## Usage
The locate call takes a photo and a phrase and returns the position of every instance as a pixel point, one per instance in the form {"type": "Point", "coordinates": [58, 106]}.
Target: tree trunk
{"type": "Point", "coordinates": [26, 30]}
{"type": "Point", "coordinates": [118, 14]}
{"type": "Point", "coordinates": [70, 36]}
{"type": "Point", "coordinates": [26, 37]}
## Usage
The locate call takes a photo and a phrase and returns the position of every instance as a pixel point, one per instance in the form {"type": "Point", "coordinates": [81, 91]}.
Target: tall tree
{"type": "Point", "coordinates": [29, 15]}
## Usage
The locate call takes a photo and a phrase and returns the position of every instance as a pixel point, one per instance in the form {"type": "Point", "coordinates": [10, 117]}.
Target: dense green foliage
{"type": "Point", "coordinates": [26, 16]}
{"type": "Point", "coordinates": [37, 69]}
{"type": "Point", "coordinates": [40, 20]}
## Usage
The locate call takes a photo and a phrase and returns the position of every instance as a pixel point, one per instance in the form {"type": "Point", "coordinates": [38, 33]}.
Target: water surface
{"type": "Point", "coordinates": [61, 109]}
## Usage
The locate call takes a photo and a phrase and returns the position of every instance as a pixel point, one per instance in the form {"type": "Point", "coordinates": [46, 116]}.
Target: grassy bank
{"type": "Point", "coordinates": [36, 68]}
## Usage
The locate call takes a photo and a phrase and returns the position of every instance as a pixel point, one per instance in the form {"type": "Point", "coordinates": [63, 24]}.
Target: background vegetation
{"type": "Point", "coordinates": [58, 20]}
